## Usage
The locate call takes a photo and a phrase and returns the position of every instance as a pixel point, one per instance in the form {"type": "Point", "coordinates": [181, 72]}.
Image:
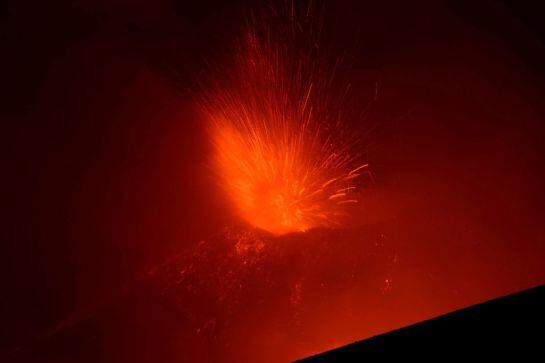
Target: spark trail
{"type": "Point", "coordinates": [281, 150]}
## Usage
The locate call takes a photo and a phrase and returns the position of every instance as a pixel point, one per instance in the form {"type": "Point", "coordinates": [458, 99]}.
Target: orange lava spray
{"type": "Point", "coordinates": [281, 151]}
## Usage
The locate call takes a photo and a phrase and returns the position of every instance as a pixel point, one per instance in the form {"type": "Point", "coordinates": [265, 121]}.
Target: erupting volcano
{"type": "Point", "coordinates": [280, 149]}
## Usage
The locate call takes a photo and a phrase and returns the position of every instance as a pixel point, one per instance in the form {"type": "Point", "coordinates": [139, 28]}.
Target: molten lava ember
{"type": "Point", "coordinates": [281, 150]}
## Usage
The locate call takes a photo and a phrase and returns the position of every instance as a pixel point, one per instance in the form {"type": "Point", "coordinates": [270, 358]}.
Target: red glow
{"type": "Point", "coordinates": [125, 208]}
{"type": "Point", "coordinates": [278, 144]}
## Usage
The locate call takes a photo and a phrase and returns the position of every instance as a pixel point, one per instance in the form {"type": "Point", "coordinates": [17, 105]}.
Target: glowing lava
{"type": "Point", "coordinates": [280, 150]}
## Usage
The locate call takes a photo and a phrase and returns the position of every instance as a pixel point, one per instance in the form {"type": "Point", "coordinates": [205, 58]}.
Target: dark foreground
{"type": "Point", "coordinates": [510, 325]}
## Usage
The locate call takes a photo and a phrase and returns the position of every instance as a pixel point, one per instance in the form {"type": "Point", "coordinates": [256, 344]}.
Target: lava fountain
{"type": "Point", "coordinates": [281, 150]}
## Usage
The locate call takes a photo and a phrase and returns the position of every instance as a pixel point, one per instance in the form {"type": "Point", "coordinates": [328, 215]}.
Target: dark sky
{"type": "Point", "coordinates": [104, 160]}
